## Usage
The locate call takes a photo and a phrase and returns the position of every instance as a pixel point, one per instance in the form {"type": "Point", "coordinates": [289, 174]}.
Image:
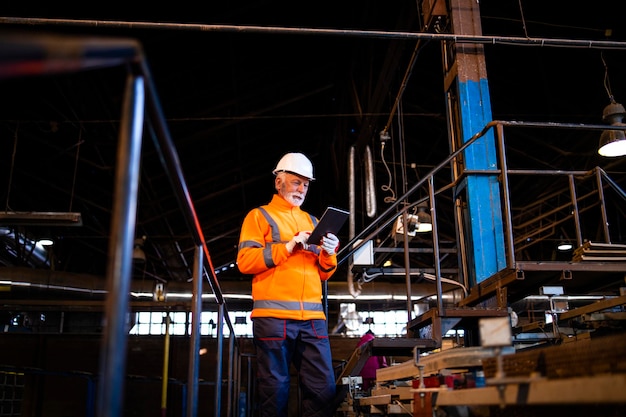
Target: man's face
{"type": "Point", "coordinates": [292, 188]}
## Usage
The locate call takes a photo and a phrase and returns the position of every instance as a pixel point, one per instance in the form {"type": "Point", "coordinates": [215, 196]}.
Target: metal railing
{"type": "Point", "coordinates": [520, 230]}
{"type": "Point", "coordinates": [59, 54]}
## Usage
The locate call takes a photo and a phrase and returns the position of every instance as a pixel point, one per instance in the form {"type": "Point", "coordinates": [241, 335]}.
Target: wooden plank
{"type": "Point", "coordinates": [433, 363]}
{"type": "Point", "coordinates": [601, 389]}
{"type": "Point", "coordinates": [598, 258]}
{"type": "Point", "coordinates": [374, 400]}
{"type": "Point", "coordinates": [593, 307]}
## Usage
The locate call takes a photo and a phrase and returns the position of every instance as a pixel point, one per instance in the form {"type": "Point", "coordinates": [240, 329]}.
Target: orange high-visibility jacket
{"type": "Point", "coordinates": [286, 286]}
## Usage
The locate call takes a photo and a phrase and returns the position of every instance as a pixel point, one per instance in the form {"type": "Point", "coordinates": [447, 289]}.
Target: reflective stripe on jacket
{"type": "Point", "coordinates": [283, 286]}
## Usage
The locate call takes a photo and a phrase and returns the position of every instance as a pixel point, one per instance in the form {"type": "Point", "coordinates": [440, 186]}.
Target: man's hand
{"type": "Point", "coordinates": [330, 244]}
{"type": "Point", "coordinates": [298, 240]}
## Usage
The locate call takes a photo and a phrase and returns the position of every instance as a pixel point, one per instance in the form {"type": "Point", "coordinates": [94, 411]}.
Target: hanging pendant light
{"type": "Point", "coordinates": [613, 142]}
{"type": "Point", "coordinates": [425, 220]}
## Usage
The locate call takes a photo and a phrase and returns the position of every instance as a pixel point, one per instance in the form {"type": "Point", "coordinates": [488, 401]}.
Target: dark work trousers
{"type": "Point", "coordinates": [305, 344]}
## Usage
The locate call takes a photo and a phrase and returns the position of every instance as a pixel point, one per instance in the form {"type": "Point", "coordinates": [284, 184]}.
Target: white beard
{"type": "Point", "coordinates": [295, 199]}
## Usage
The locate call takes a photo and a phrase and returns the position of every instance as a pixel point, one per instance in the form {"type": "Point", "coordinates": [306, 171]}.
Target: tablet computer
{"type": "Point", "coordinates": [332, 220]}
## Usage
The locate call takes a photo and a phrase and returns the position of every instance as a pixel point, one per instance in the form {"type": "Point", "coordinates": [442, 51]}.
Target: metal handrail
{"type": "Point", "coordinates": [400, 206]}
{"type": "Point", "coordinates": [59, 54]}
{"type": "Point", "coordinates": [169, 159]}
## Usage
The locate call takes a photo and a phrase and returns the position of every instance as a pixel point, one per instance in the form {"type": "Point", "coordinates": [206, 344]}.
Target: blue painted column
{"type": "Point", "coordinates": [469, 112]}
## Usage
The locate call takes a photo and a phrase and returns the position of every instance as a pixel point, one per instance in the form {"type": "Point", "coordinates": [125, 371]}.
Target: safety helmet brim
{"type": "Point", "coordinates": [297, 164]}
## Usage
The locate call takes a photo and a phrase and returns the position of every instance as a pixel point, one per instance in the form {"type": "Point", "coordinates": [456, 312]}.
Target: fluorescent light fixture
{"type": "Point", "coordinates": [32, 218]}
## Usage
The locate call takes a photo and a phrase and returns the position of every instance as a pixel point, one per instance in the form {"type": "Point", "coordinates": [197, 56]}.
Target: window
{"type": "Point", "coordinates": [382, 323]}
{"type": "Point", "coordinates": [153, 323]}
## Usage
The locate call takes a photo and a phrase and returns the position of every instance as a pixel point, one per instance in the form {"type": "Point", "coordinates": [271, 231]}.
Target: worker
{"type": "Point", "coordinates": [288, 319]}
{"type": "Point", "coordinates": [368, 372]}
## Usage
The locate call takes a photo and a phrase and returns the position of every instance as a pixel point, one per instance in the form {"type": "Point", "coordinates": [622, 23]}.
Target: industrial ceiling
{"type": "Point", "coordinates": [242, 83]}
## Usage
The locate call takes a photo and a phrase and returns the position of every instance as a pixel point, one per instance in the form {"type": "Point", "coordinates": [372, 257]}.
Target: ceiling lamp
{"type": "Point", "coordinates": [45, 242]}
{"type": "Point", "coordinates": [613, 142]}
{"type": "Point", "coordinates": [138, 254]}
{"type": "Point", "coordinates": [564, 246]}
{"type": "Point", "coordinates": [425, 221]}
{"type": "Point", "coordinates": [399, 231]}
{"type": "Point", "coordinates": [420, 222]}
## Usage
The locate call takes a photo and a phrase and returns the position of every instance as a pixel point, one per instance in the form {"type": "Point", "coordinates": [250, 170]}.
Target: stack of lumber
{"type": "Point", "coordinates": [600, 252]}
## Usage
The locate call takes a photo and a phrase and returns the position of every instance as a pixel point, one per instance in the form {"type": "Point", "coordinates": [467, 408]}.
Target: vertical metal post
{"type": "Point", "coordinates": [119, 269]}
{"type": "Point", "coordinates": [218, 359]}
{"type": "Point", "coordinates": [250, 386]}
{"type": "Point", "coordinates": [462, 256]}
{"type": "Point", "coordinates": [506, 197]}
{"type": "Point", "coordinates": [605, 220]}
{"type": "Point", "coordinates": [194, 346]}
{"type": "Point", "coordinates": [166, 365]}
{"type": "Point", "coordinates": [231, 364]}
{"type": "Point", "coordinates": [467, 86]}
{"type": "Point", "coordinates": [237, 383]}
{"type": "Point", "coordinates": [574, 197]}
{"type": "Point", "coordinates": [407, 268]}
{"type": "Point", "coordinates": [437, 260]}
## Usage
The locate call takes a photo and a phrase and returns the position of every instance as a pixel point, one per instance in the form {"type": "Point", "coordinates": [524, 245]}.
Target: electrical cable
{"type": "Point", "coordinates": [405, 81]}
{"type": "Point", "coordinates": [386, 187]}
{"type": "Point", "coordinates": [521, 12]}
{"type": "Point", "coordinates": [607, 83]}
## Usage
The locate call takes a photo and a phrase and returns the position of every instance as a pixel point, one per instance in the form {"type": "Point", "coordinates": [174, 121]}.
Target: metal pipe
{"type": "Point", "coordinates": [506, 196]}
{"type": "Point", "coordinates": [250, 386]}
{"type": "Point", "coordinates": [613, 185]}
{"type": "Point", "coordinates": [462, 256]}
{"type": "Point", "coordinates": [407, 268]}
{"type": "Point", "coordinates": [231, 378]}
{"type": "Point", "coordinates": [166, 362]}
{"type": "Point", "coordinates": [167, 152]}
{"type": "Point", "coordinates": [31, 280]}
{"type": "Point", "coordinates": [351, 191]}
{"type": "Point", "coordinates": [352, 226]}
{"type": "Point", "coordinates": [217, 406]}
{"type": "Point", "coordinates": [372, 229]}
{"type": "Point", "coordinates": [169, 157]}
{"type": "Point", "coordinates": [574, 199]}
{"type": "Point", "coordinates": [435, 233]}
{"type": "Point", "coordinates": [119, 269]}
{"type": "Point", "coordinates": [405, 219]}
{"type": "Point", "coordinates": [605, 220]}
{"type": "Point", "coordinates": [194, 345]}
{"type": "Point", "coordinates": [237, 385]}
{"type": "Point", "coordinates": [374, 34]}
{"type": "Point", "coordinates": [370, 189]}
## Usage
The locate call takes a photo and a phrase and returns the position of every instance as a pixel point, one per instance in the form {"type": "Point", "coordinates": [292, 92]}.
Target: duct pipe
{"type": "Point", "coordinates": [34, 282]}
{"type": "Point", "coordinates": [370, 191]}
{"type": "Point", "coordinates": [352, 207]}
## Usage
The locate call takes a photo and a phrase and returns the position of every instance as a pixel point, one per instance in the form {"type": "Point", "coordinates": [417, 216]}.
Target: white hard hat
{"type": "Point", "coordinates": [296, 163]}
